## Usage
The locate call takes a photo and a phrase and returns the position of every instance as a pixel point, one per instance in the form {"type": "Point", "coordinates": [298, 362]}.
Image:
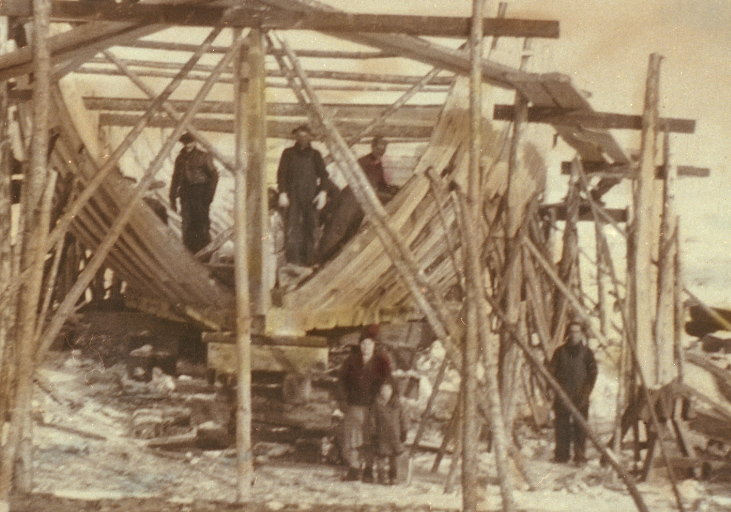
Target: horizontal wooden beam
{"type": "Point", "coordinates": [280, 84]}
{"type": "Point", "coordinates": [312, 74]}
{"type": "Point", "coordinates": [267, 19]}
{"type": "Point", "coordinates": [74, 43]}
{"type": "Point", "coordinates": [217, 49]}
{"type": "Point", "coordinates": [595, 120]}
{"type": "Point", "coordinates": [276, 129]}
{"type": "Point", "coordinates": [606, 170]}
{"type": "Point", "coordinates": [558, 211]}
{"type": "Point", "coordinates": [407, 113]}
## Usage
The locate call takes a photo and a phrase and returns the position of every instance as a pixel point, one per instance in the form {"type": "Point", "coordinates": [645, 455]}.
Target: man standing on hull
{"type": "Point", "coordinates": [574, 367]}
{"type": "Point", "coordinates": [303, 183]}
{"type": "Point", "coordinates": [194, 182]}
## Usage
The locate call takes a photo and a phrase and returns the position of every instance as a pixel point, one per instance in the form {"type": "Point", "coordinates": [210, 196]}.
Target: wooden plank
{"type": "Point", "coordinates": [424, 113]}
{"type": "Point", "coordinates": [268, 19]}
{"type": "Point", "coordinates": [275, 128]}
{"type": "Point", "coordinates": [591, 119]}
{"type": "Point", "coordinates": [585, 213]}
{"type": "Point", "coordinates": [627, 171]}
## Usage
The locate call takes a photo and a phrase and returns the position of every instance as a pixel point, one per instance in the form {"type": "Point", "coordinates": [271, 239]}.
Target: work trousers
{"type": "Point", "coordinates": [569, 430]}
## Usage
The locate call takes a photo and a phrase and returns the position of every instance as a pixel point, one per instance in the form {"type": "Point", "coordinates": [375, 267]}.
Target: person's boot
{"type": "Point", "coordinates": [353, 475]}
{"type": "Point", "coordinates": [392, 474]}
{"type": "Point", "coordinates": [368, 475]}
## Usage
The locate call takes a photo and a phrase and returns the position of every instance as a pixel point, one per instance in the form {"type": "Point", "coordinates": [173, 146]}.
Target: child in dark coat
{"type": "Point", "coordinates": [390, 428]}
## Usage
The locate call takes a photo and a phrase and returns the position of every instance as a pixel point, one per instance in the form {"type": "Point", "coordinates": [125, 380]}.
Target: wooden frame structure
{"type": "Point", "coordinates": [409, 267]}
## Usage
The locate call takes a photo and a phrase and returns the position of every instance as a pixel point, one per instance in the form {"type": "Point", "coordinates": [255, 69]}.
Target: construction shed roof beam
{"type": "Point", "coordinates": [327, 86]}
{"type": "Point", "coordinates": [268, 19]}
{"type": "Point", "coordinates": [411, 113]}
{"type": "Point", "coordinates": [277, 129]}
{"type": "Point", "coordinates": [595, 120]}
{"type": "Point", "coordinates": [84, 40]}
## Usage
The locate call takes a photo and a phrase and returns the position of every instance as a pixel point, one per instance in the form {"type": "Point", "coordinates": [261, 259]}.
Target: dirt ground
{"type": "Point", "coordinates": [95, 450]}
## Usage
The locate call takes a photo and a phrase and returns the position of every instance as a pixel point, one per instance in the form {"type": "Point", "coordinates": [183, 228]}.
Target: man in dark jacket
{"type": "Point", "coordinates": [361, 376]}
{"type": "Point", "coordinates": [303, 183]}
{"type": "Point", "coordinates": [194, 182]}
{"type": "Point", "coordinates": [574, 367]}
{"type": "Point", "coordinates": [345, 214]}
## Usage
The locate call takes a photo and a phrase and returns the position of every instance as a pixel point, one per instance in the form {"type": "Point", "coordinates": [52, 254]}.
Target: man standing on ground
{"type": "Point", "coordinates": [194, 182]}
{"type": "Point", "coordinates": [574, 367]}
{"type": "Point", "coordinates": [303, 183]}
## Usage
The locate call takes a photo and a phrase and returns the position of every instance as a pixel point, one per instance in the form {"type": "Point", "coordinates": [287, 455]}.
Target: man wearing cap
{"type": "Point", "coordinates": [303, 183]}
{"type": "Point", "coordinates": [574, 367]}
{"type": "Point", "coordinates": [361, 376]}
{"type": "Point", "coordinates": [194, 182]}
{"type": "Point", "coordinates": [345, 214]}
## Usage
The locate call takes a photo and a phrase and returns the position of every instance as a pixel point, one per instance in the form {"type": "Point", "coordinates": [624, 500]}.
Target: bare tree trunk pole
{"type": "Point", "coordinates": [6, 249]}
{"type": "Point", "coordinates": [642, 305]}
{"type": "Point", "coordinates": [472, 273]}
{"type": "Point", "coordinates": [32, 258]}
{"type": "Point", "coordinates": [244, 465]}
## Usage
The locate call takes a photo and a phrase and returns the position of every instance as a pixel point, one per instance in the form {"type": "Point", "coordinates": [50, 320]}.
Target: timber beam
{"type": "Point", "coordinates": [277, 19]}
{"type": "Point", "coordinates": [557, 211]}
{"type": "Point", "coordinates": [607, 170]}
{"type": "Point", "coordinates": [424, 113]}
{"type": "Point", "coordinates": [277, 129]}
{"type": "Point", "coordinates": [588, 119]}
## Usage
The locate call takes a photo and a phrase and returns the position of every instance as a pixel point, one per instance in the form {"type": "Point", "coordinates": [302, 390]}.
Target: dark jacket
{"type": "Point", "coordinates": [193, 169]}
{"type": "Point", "coordinates": [359, 383]}
{"type": "Point", "coordinates": [302, 174]}
{"type": "Point", "coordinates": [390, 425]}
{"type": "Point", "coordinates": [574, 367]}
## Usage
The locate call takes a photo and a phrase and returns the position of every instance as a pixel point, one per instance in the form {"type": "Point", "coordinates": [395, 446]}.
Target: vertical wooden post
{"type": "Point", "coordinates": [642, 303]}
{"type": "Point", "coordinates": [602, 277]}
{"type": "Point", "coordinates": [256, 183]}
{"type": "Point", "coordinates": [679, 305]}
{"type": "Point", "coordinates": [665, 323]}
{"type": "Point", "coordinates": [6, 316]}
{"type": "Point", "coordinates": [242, 100]}
{"type": "Point", "coordinates": [472, 273]}
{"type": "Point", "coordinates": [32, 258]}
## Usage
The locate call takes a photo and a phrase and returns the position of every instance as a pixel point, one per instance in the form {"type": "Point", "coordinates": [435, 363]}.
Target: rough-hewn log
{"type": "Point", "coordinates": [36, 218]}
{"type": "Point", "coordinates": [243, 98]}
{"type": "Point", "coordinates": [244, 16]}
{"type": "Point", "coordinates": [605, 169]}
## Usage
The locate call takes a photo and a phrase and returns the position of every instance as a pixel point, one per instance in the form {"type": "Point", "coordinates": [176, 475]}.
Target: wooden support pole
{"type": "Point", "coordinates": [512, 272]}
{"type": "Point", "coordinates": [665, 322]}
{"type": "Point", "coordinates": [473, 275]}
{"type": "Point", "coordinates": [602, 278]}
{"type": "Point", "coordinates": [679, 304]}
{"type": "Point", "coordinates": [641, 298]}
{"type": "Point", "coordinates": [6, 255]}
{"type": "Point", "coordinates": [35, 229]}
{"type": "Point", "coordinates": [256, 178]}
{"type": "Point", "coordinates": [244, 464]}
{"type": "Point", "coordinates": [115, 230]}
